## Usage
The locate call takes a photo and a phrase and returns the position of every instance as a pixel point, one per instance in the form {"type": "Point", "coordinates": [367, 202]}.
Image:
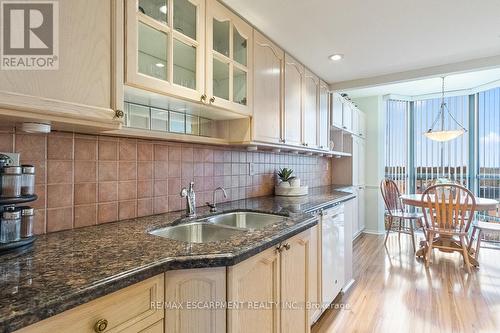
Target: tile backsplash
{"type": "Point", "coordinates": [84, 180]}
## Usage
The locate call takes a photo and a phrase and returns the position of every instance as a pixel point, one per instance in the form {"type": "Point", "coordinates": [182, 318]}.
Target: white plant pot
{"type": "Point", "coordinates": [295, 182]}
{"type": "Point", "coordinates": [283, 184]}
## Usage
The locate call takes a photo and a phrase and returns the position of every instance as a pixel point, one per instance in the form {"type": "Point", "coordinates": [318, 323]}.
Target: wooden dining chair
{"type": "Point", "coordinates": [394, 210]}
{"type": "Point", "coordinates": [448, 212]}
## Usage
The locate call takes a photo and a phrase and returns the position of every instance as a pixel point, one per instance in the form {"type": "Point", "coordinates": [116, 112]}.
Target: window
{"type": "Point", "coordinates": [396, 143]}
{"type": "Point", "coordinates": [488, 129]}
{"type": "Point", "coordinates": [433, 160]}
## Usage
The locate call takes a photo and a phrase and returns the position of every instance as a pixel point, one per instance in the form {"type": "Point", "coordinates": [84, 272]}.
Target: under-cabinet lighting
{"type": "Point", "coordinates": [163, 9]}
{"type": "Point", "coordinates": [160, 65]}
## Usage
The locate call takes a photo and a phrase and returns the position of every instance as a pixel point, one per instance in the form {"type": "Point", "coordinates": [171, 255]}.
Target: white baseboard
{"type": "Point", "coordinates": [373, 232]}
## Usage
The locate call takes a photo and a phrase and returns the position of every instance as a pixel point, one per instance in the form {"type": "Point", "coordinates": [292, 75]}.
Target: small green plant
{"type": "Point", "coordinates": [285, 175]}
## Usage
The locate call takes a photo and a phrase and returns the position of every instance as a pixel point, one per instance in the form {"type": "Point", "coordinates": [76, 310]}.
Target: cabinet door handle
{"type": "Point", "coordinates": [287, 246]}
{"type": "Point", "coordinates": [203, 98]}
{"type": "Point", "coordinates": [101, 325]}
{"type": "Point", "coordinates": [212, 100]}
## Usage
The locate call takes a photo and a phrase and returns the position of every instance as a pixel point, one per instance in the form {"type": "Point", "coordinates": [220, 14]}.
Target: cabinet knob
{"type": "Point", "coordinates": [287, 246]}
{"type": "Point", "coordinates": [212, 100]}
{"type": "Point", "coordinates": [119, 114]}
{"type": "Point", "coordinates": [203, 98]}
{"type": "Point", "coordinates": [283, 141]}
{"type": "Point", "coordinates": [100, 325]}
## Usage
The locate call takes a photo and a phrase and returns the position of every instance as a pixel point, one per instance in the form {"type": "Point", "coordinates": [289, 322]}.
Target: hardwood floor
{"type": "Point", "coordinates": [394, 292]}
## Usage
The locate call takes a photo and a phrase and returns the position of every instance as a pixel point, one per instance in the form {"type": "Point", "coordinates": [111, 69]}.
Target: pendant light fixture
{"type": "Point", "coordinates": [443, 134]}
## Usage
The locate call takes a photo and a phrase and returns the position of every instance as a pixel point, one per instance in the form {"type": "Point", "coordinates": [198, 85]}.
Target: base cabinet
{"type": "Point", "coordinates": [187, 292]}
{"type": "Point", "coordinates": [277, 282]}
{"type": "Point", "coordinates": [255, 281]}
{"type": "Point", "coordinates": [127, 310]}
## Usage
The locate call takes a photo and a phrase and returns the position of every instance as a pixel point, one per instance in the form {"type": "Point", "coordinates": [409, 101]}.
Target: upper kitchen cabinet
{"type": "Point", "coordinates": [311, 108]}
{"type": "Point", "coordinates": [79, 94]}
{"type": "Point", "coordinates": [294, 78]}
{"type": "Point", "coordinates": [228, 59]}
{"type": "Point", "coordinates": [337, 120]}
{"type": "Point", "coordinates": [165, 47]}
{"type": "Point", "coordinates": [347, 116]}
{"type": "Point", "coordinates": [324, 117]}
{"type": "Point", "coordinates": [268, 81]}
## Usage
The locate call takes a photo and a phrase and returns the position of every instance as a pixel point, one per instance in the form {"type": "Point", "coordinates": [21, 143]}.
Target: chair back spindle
{"type": "Point", "coordinates": [448, 208]}
{"type": "Point", "coordinates": [391, 195]}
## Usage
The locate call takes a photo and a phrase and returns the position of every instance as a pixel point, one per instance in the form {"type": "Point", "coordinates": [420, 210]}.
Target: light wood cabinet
{"type": "Point", "coordinates": [126, 310]}
{"type": "Point", "coordinates": [268, 83]}
{"type": "Point", "coordinates": [80, 93]}
{"type": "Point", "coordinates": [295, 278]}
{"type": "Point", "coordinates": [165, 47]}
{"type": "Point", "coordinates": [255, 280]}
{"type": "Point", "coordinates": [294, 77]}
{"type": "Point", "coordinates": [229, 59]}
{"type": "Point", "coordinates": [272, 289]}
{"type": "Point", "coordinates": [324, 117]}
{"type": "Point", "coordinates": [311, 110]}
{"type": "Point", "coordinates": [191, 287]}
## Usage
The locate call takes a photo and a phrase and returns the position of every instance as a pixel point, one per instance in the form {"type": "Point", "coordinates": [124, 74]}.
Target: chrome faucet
{"type": "Point", "coordinates": [190, 200]}
{"type": "Point", "coordinates": [213, 205]}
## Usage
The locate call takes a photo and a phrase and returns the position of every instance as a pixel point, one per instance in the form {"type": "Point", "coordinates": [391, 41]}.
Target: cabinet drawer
{"type": "Point", "coordinates": [122, 309]}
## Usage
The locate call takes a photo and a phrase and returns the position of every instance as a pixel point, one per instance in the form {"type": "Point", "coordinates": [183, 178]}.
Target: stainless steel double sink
{"type": "Point", "coordinates": [217, 227]}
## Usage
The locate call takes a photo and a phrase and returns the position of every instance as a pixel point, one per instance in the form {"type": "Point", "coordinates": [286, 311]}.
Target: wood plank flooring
{"type": "Point", "coordinates": [394, 292]}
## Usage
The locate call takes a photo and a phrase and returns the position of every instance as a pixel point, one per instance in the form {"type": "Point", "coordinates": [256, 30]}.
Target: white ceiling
{"type": "Point", "coordinates": [377, 37]}
{"type": "Point", "coordinates": [454, 82]}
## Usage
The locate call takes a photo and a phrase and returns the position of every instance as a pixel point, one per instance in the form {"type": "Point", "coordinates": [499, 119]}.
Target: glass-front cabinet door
{"type": "Point", "coordinates": [165, 46]}
{"type": "Point", "coordinates": [228, 59]}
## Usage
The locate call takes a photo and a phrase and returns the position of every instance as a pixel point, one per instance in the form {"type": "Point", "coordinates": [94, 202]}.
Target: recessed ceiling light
{"type": "Point", "coordinates": [336, 57]}
{"type": "Point", "coordinates": [160, 65]}
{"type": "Point", "coordinates": [163, 9]}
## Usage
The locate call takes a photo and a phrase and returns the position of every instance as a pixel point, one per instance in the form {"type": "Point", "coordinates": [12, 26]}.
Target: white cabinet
{"type": "Point", "coordinates": [337, 110]}
{"type": "Point", "coordinates": [203, 285]}
{"type": "Point", "coordinates": [361, 208]}
{"type": "Point", "coordinates": [358, 161]}
{"type": "Point", "coordinates": [311, 110]}
{"type": "Point", "coordinates": [268, 81]}
{"type": "Point", "coordinates": [350, 215]}
{"type": "Point", "coordinates": [347, 113]}
{"type": "Point", "coordinates": [315, 277]}
{"type": "Point", "coordinates": [324, 117]}
{"type": "Point", "coordinates": [361, 124]}
{"type": "Point", "coordinates": [165, 47]}
{"type": "Point", "coordinates": [80, 93]}
{"type": "Point", "coordinates": [333, 240]}
{"type": "Point", "coordinates": [294, 77]}
{"type": "Point", "coordinates": [275, 275]}
{"type": "Point", "coordinates": [229, 59]}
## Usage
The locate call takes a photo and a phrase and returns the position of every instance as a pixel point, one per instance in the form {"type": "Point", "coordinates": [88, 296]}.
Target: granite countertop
{"type": "Point", "coordinates": [65, 269]}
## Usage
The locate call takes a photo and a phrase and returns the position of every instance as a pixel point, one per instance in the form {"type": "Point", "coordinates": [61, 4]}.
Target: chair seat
{"type": "Point", "coordinates": [405, 215]}
{"type": "Point", "coordinates": [487, 226]}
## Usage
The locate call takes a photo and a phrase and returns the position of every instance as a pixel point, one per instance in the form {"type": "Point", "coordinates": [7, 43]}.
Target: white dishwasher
{"type": "Point", "coordinates": [333, 256]}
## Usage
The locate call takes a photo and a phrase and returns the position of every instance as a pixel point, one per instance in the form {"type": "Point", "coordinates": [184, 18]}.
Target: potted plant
{"type": "Point", "coordinates": [286, 178]}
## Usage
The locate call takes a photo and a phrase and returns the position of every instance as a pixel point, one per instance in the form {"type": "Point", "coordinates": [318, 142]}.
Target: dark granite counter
{"type": "Point", "coordinates": [69, 268]}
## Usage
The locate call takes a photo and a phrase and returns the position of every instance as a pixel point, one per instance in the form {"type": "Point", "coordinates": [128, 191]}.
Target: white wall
{"type": "Point", "coordinates": [374, 109]}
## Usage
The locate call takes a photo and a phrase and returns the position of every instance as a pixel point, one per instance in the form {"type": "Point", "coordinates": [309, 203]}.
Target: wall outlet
{"type": "Point", "coordinates": [11, 158]}
{"type": "Point", "coordinates": [251, 169]}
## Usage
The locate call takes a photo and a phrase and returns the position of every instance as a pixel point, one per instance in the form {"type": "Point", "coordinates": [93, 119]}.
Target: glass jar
{"type": "Point", "coordinates": [11, 182]}
{"type": "Point", "coordinates": [28, 180]}
{"type": "Point", "coordinates": [10, 226]}
{"type": "Point", "coordinates": [27, 221]}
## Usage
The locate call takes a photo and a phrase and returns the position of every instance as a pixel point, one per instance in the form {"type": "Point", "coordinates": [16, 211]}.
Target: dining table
{"type": "Point", "coordinates": [415, 200]}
